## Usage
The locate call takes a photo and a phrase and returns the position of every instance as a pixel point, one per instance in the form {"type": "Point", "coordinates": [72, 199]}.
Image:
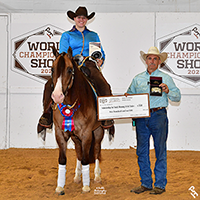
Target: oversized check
{"type": "Point", "coordinates": [120, 106]}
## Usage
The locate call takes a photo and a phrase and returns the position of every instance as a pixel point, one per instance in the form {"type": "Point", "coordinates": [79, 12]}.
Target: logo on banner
{"type": "Point", "coordinates": [32, 52]}
{"type": "Point", "coordinates": [183, 48]}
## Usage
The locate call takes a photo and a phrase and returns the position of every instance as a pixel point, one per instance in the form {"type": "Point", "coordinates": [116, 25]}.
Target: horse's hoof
{"type": "Point", "coordinates": [97, 179]}
{"type": "Point", "coordinates": [77, 179]}
{"type": "Point", "coordinates": [60, 190]}
{"type": "Point", "coordinates": [85, 189]}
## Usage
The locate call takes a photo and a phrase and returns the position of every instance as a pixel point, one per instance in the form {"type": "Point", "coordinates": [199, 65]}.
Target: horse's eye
{"type": "Point", "coordinates": [69, 70]}
{"type": "Point", "coordinates": [52, 70]}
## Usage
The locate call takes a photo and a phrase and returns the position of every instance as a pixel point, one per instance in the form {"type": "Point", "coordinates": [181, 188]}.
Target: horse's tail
{"type": "Point", "coordinates": [92, 151]}
{"type": "Point", "coordinates": [111, 132]}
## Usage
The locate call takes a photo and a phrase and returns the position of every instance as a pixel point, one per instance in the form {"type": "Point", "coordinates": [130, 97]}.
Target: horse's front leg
{"type": "Point", "coordinates": [62, 143]}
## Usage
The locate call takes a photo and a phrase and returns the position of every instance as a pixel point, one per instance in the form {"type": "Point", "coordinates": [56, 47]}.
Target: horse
{"type": "Point", "coordinates": [73, 93]}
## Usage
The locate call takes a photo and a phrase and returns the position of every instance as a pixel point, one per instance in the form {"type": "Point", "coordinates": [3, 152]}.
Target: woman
{"type": "Point", "coordinates": [78, 38]}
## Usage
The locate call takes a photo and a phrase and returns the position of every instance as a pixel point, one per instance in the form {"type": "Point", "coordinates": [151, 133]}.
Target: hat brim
{"type": "Point", "coordinates": [71, 15]}
{"type": "Point", "coordinates": [163, 56]}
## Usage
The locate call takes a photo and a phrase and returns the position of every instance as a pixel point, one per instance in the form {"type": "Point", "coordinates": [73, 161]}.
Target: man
{"type": "Point", "coordinates": [78, 38]}
{"type": "Point", "coordinates": [156, 125]}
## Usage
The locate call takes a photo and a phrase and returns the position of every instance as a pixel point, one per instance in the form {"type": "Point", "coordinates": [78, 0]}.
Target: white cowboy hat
{"type": "Point", "coordinates": [154, 51]}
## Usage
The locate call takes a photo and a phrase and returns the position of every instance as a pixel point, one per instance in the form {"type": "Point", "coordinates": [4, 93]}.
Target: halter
{"type": "Point", "coordinates": [71, 79]}
{"type": "Point", "coordinates": [64, 92]}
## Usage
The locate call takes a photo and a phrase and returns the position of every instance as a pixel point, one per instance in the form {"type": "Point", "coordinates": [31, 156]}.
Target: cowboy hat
{"type": "Point", "coordinates": [154, 51]}
{"type": "Point", "coordinates": [81, 11]}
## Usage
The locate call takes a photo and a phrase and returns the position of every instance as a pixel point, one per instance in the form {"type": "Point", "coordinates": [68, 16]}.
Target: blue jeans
{"type": "Point", "coordinates": [157, 126]}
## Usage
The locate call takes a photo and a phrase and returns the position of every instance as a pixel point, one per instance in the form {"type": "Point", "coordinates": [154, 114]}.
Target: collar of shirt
{"type": "Point", "coordinates": [155, 73]}
{"type": "Point", "coordinates": [75, 29]}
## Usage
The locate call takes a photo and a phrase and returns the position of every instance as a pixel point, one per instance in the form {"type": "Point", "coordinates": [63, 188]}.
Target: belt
{"type": "Point", "coordinates": [156, 109]}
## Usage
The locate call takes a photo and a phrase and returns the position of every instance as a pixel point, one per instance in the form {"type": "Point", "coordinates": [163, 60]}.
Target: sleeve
{"type": "Point", "coordinates": [102, 51]}
{"type": "Point", "coordinates": [64, 43]}
{"type": "Point", "coordinates": [131, 89]}
{"type": "Point", "coordinates": [174, 93]}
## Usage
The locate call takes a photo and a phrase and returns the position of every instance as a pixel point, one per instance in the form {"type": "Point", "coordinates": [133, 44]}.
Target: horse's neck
{"type": "Point", "coordinates": [82, 89]}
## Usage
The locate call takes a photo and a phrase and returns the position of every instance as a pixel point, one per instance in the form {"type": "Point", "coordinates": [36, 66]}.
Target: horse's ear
{"type": "Point", "coordinates": [69, 52]}
{"type": "Point", "coordinates": [55, 52]}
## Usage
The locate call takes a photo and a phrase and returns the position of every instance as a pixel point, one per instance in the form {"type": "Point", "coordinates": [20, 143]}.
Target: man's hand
{"type": "Point", "coordinates": [164, 87]}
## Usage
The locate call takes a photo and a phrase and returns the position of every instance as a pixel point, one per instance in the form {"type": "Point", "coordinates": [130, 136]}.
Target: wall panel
{"type": "Point", "coordinates": [3, 81]}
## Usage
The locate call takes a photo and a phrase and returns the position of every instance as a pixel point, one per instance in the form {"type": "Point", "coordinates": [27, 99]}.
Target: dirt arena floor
{"type": "Point", "coordinates": [32, 174]}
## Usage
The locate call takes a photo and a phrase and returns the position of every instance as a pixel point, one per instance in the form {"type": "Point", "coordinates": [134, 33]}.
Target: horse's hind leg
{"type": "Point", "coordinates": [98, 135]}
{"type": "Point", "coordinates": [78, 170]}
{"type": "Point", "coordinates": [97, 172]}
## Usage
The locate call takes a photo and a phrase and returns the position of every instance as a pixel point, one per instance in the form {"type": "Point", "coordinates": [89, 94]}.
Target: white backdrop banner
{"type": "Point", "coordinates": [123, 36]}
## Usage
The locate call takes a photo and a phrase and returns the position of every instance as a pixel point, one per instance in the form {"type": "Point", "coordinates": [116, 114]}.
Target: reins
{"type": "Point", "coordinates": [99, 68]}
{"type": "Point", "coordinates": [72, 106]}
{"type": "Point", "coordinates": [55, 106]}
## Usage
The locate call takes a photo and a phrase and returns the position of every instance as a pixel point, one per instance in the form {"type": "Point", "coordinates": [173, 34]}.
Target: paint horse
{"type": "Point", "coordinates": [75, 117]}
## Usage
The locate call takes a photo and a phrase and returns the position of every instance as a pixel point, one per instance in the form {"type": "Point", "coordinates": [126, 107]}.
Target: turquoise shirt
{"type": "Point", "coordinates": [140, 84]}
{"type": "Point", "coordinates": [75, 38]}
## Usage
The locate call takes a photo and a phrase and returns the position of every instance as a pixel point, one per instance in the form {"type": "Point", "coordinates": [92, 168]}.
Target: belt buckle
{"type": "Point", "coordinates": [156, 109]}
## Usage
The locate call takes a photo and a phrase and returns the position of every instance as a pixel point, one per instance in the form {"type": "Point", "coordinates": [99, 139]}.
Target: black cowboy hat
{"type": "Point", "coordinates": [81, 11]}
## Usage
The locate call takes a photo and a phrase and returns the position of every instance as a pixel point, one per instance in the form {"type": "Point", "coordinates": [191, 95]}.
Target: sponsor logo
{"type": "Point", "coordinates": [193, 192]}
{"type": "Point", "coordinates": [183, 48]}
{"type": "Point", "coordinates": [100, 190]}
{"type": "Point", "coordinates": [32, 52]}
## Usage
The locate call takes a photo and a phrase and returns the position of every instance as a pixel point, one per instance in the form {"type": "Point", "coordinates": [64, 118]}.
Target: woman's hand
{"type": "Point", "coordinates": [99, 62]}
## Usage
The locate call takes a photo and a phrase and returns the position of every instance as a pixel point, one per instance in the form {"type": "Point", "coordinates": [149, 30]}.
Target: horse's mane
{"type": "Point", "coordinates": [81, 89]}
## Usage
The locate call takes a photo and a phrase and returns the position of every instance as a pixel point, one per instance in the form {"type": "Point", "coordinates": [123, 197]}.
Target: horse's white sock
{"type": "Point", "coordinates": [86, 175]}
{"type": "Point", "coordinates": [78, 168]}
{"type": "Point", "coordinates": [61, 175]}
{"type": "Point", "coordinates": [97, 169]}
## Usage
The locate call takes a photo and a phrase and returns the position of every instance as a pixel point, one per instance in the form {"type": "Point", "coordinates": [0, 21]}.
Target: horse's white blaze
{"type": "Point", "coordinates": [78, 172]}
{"type": "Point", "coordinates": [57, 94]}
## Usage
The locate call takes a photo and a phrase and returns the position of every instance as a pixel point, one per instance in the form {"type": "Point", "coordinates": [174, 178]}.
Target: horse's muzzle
{"type": "Point", "coordinates": [58, 98]}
